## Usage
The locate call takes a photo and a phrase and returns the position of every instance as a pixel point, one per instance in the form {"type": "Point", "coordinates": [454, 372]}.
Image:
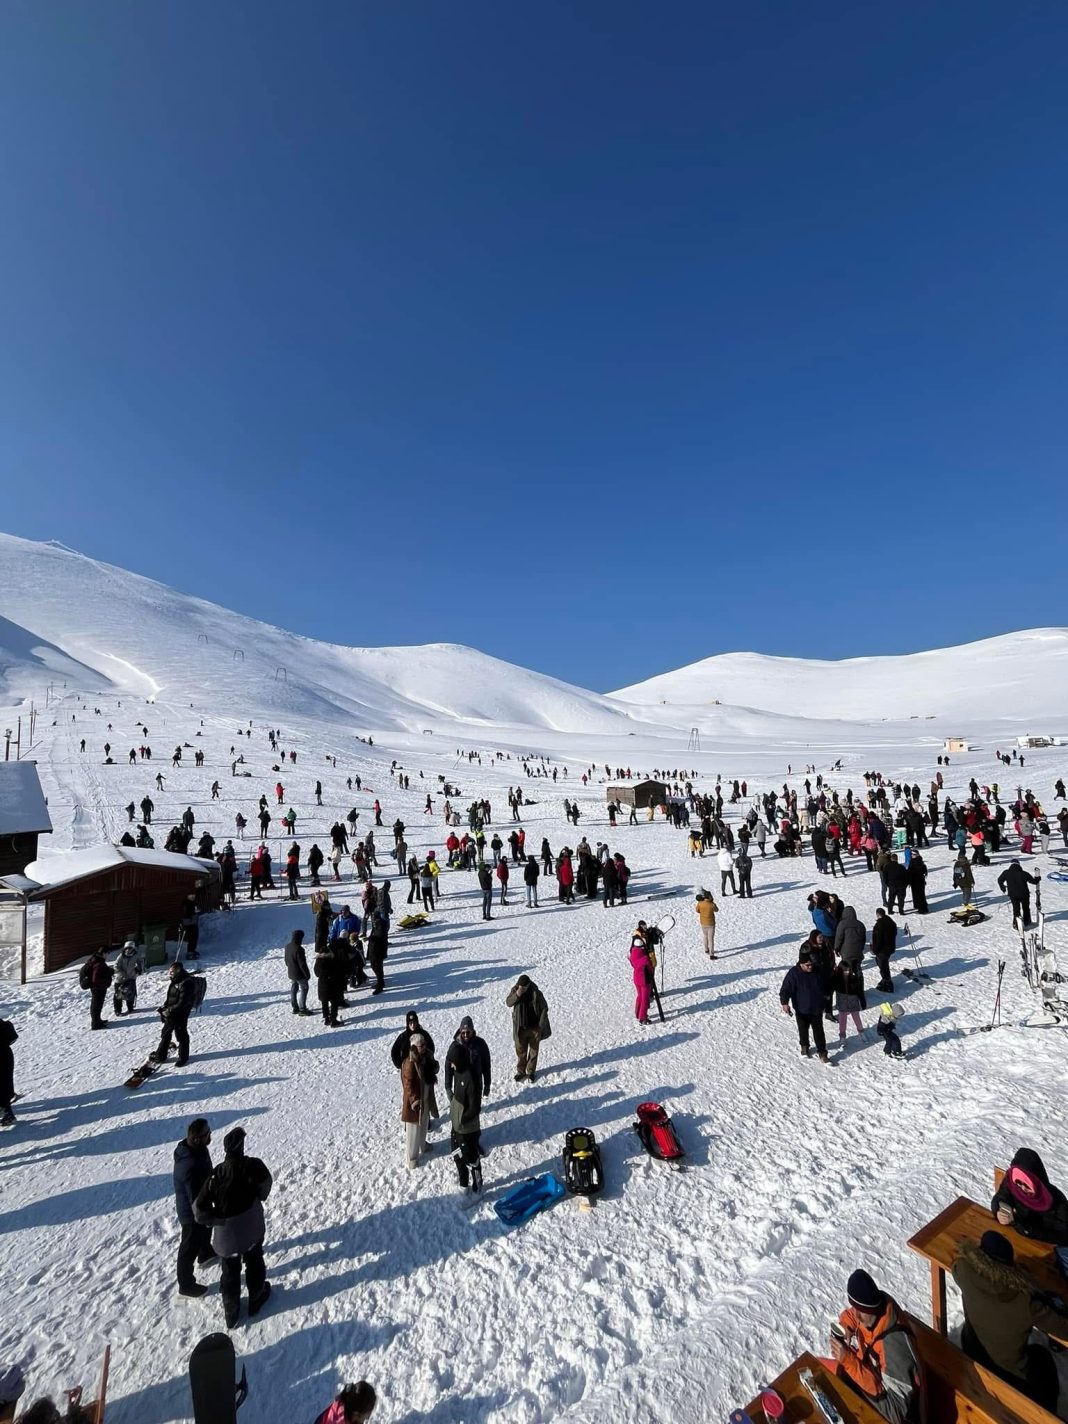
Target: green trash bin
{"type": "Point", "coordinates": [155, 945]}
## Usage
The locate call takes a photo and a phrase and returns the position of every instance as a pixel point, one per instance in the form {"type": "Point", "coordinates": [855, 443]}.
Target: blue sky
{"type": "Point", "coordinates": [600, 336]}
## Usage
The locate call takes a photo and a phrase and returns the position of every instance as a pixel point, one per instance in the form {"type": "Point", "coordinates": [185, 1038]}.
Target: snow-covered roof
{"type": "Point", "coordinates": [52, 871]}
{"type": "Point", "coordinates": [22, 803]}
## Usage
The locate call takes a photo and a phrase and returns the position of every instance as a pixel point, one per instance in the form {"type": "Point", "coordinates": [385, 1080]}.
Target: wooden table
{"type": "Point", "coordinates": [965, 1220]}
{"type": "Point", "coordinates": [801, 1407]}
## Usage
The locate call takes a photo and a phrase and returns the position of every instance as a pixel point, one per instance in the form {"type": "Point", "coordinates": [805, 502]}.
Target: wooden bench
{"type": "Point", "coordinates": [961, 1392]}
{"type": "Point", "coordinates": [854, 1408]}
{"type": "Point", "coordinates": [939, 1242]}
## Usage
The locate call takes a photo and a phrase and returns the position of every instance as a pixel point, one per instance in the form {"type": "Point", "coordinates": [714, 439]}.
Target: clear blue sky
{"type": "Point", "coordinates": [600, 336]}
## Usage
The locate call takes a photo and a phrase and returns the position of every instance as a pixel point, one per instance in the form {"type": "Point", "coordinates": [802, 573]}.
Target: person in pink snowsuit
{"type": "Point", "coordinates": [639, 962]}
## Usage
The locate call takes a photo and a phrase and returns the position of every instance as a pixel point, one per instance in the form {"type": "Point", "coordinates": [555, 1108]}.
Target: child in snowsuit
{"type": "Point", "coordinates": [886, 1028]}
{"type": "Point", "coordinates": [642, 963]}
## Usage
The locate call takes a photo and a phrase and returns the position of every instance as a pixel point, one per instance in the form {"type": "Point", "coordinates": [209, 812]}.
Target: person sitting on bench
{"type": "Point", "coordinates": [874, 1351]}
{"type": "Point", "coordinates": [1028, 1201]}
{"type": "Point", "coordinates": [1001, 1305]}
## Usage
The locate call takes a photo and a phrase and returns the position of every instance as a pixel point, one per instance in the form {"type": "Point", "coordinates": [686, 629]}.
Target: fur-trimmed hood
{"type": "Point", "coordinates": [1003, 1278]}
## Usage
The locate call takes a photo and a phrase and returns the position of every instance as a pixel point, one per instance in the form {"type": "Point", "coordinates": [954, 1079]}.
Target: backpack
{"type": "Point", "coordinates": [85, 979]}
{"type": "Point", "coordinates": [200, 986]}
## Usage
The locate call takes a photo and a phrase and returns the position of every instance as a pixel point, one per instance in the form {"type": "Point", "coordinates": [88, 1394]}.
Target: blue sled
{"type": "Point", "coordinates": [530, 1197]}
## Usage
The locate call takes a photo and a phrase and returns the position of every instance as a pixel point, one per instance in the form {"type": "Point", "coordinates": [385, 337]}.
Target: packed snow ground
{"type": "Point", "coordinates": [680, 1292]}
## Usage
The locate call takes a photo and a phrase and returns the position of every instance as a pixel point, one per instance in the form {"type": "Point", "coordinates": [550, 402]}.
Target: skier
{"type": "Point", "coordinates": [96, 976]}
{"type": "Point", "coordinates": [706, 910]}
{"type": "Point", "coordinates": [124, 985]}
{"type": "Point", "coordinates": [1014, 881]}
{"type": "Point", "coordinates": [530, 1025]}
{"type": "Point", "coordinates": [231, 1203]}
{"type": "Point", "coordinates": [803, 988]}
{"type": "Point", "coordinates": [354, 1405]}
{"type": "Point", "coordinates": [174, 1013]}
{"type": "Point", "coordinates": [415, 1098]}
{"type": "Point", "coordinates": [192, 1168]}
{"type": "Point", "coordinates": [296, 962]}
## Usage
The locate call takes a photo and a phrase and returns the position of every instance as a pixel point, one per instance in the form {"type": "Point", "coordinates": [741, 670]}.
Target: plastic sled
{"type": "Point", "coordinates": [657, 1134]}
{"type": "Point", "coordinates": [583, 1174]}
{"type": "Point", "coordinates": [530, 1197]}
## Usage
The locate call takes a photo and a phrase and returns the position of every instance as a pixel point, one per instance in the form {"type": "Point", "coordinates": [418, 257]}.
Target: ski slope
{"type": "Point", "coordinates": [679, 1293]}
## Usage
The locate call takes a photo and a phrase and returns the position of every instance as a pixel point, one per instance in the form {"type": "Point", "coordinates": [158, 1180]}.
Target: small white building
{"type": "Point", "coordinates": [1034, 742]}
{"type": "Point", "coordinates": [955, 744]}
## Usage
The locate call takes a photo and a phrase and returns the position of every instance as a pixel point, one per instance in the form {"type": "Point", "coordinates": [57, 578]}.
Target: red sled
{"type": "Point", "coordinates": [657, 1133]}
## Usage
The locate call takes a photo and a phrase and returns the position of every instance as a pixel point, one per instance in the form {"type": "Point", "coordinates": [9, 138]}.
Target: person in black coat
{"type": "Point", "coordinates": [1016, 883]}
{"type": "Point", "coordinates": [477, 1052]}
{"type": "Point", "coordinates": [331, 973]}
{"type": "Point", "coordinates": [192, 1168]}
{"type": "Point", "coordinates": [804, 989]}
{"type": "Point", "coordinates": [7, 1072]}
{"type": "Point", "coordinates": [897, 880]}
{"type": "Point", "coordinates": [917, 874]}
{"type": "Point", "coordinates": [315, 864]}
{"type": "Point", "coordinates": [1029, 1202]}
{"type": "Point", "coordinates": [883, 944]}
{"type": "Point", "coordinates": [298, 971]}
{"type": "Point", "coordinates": [402, 1043]}
{"type": "Point", "coordinates": [174, 1012]}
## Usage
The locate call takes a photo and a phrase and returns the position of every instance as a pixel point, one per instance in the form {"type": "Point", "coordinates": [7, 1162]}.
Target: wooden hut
{"type": "Point", "coordinates": [638, 793]}
{"type": "Point", "coordinates": [106, 894]}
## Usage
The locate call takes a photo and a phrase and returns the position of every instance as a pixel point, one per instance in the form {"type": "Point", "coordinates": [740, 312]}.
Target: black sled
{"type": "Point", "coordinates": [583, 1175]}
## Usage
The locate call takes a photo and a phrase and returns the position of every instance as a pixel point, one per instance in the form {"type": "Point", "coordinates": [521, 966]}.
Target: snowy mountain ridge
{"type": "Point", "coordinates": [68, 615]}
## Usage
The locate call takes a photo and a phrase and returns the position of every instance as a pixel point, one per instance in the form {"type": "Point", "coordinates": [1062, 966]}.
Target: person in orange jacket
{"type": "Point", "coordinates": [875, 1352]}
{"type": "Point", "coordinates": [706, 910]}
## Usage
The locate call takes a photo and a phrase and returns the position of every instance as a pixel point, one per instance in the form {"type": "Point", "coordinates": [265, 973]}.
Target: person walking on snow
{"type": "Point", "coordinates": [1015, 882]}
{"type": "Point", "coordinates": [706, 910]}
{"type": "Point", "coordinates": [530, 1025]}
{"type": "Point", "coordinates": [803, 988]}
{"type": "Point", "coordinates": [725, 861]}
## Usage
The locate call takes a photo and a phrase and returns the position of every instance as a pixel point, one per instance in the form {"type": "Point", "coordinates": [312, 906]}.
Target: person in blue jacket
{"type": "Point", "coordinates": [192, 1168]}
{"type": "Point", "coordinates": [804, 989]}
{"type": "Point", "coordinates": [821, 918]}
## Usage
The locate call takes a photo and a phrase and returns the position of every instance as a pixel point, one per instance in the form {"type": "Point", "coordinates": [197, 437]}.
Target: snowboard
{"type": "Point", "coordinates": [139, 1075]}
{"type": "Point", "coordinates": [212, 1367]}
{"type": "Point", "coordinates": [657, 1134]}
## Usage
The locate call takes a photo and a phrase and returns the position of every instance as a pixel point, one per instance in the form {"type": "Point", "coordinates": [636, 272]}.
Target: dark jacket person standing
{"type": "Point", "coordinates": [804, 988]}
{"type": "Point", "coordinates": [174, 1012]}
{"type": "Point", "coordinates": [192, 1168]}
{"type": "Point", "coordinates": [231, 1203]}
{"type": "Point", "coordinates": [298, 971]}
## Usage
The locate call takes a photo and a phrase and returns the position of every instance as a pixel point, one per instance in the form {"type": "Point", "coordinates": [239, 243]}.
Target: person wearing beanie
{"type": "Point", "coordinates": [477, 1052]}
{"type": "Point", "coordinates": [803, 987]}
{"type": "Point", "coordinates": [530, 1024]}
{"type": "Point", "coordinates": [876, 1352]}
{"type": "Point", "coordinates": [231, 1203]}
{"type": "Point", "coordinates": [1001, 1307]}
{"type": "Point", "coordinates": [354, 1405]}
{"type": "Point", "coordinates": [192, 1168]}
{"type": "Point", "coordinates": [465, 1107]}
{"type": "Point", "coordinates": [1029, 1202]}
{"type": "Point", "coordinates": [401, 1044]}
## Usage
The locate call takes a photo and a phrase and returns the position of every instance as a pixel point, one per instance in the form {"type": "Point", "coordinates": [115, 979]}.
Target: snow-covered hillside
{"type": "Point", "coordinates": [1022, 676]}
{"type": "Point", "coordinates": [147, 639]}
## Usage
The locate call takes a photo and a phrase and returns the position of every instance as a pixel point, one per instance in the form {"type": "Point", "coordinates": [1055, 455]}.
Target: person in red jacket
{"type": "Point", "coordinates": [279, 791]}
{"type": "Point", "coordinates": [377, 809]}
{"type": "Point", "coordinates": [502, 876]}
{"type": "Point", "coordinates": [565, 877]}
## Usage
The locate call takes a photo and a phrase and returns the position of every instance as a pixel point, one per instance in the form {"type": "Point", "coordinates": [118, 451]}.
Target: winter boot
{"type": "Point", "coordinates": [256, 1303]}
{"type": "Point", "coordinates": [476, 1177]}
{"type": "Point", "coordinates": [8, 1119]}
{"type": "Point", "coordinates": [461, 1171]}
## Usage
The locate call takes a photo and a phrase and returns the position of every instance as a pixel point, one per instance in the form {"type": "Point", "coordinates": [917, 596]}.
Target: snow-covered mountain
{"type": "Point", "coordinates": [1023, 676]}
{"type": "Point", "coordinates": [66, 616]}
{"type": "Point", "coordinates": [141, 636]}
